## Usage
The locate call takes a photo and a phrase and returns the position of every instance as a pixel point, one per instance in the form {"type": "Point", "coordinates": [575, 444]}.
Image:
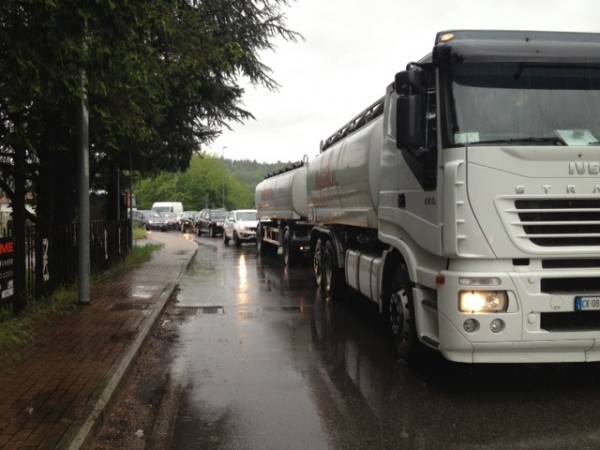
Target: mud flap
{"type": "Point", "coordinates": [426, 316]}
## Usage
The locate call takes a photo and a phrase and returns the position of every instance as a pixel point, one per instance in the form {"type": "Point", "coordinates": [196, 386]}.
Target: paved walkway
{"type": "Point", "coordinates": [51, 398]}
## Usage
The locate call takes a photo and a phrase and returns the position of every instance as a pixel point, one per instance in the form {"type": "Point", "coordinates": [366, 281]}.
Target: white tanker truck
{"type": "Point", "coordinates": [466, 201]}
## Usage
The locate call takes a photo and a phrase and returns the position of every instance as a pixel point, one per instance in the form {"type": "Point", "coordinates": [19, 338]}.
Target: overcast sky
{"type": "Point", "coordinates": [352, 50]}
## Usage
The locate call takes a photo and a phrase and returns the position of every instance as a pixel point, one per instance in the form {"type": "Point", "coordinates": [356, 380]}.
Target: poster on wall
{"type": "Point", "coordinates": [7, 272]}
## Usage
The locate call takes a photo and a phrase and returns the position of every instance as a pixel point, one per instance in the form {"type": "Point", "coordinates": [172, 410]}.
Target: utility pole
{"type": "Point", "coordinates": [83, 169]}
{"type": "Point", "coordinates": [130, 201]}
{"type": "Point", "coordinates": [224, 174]}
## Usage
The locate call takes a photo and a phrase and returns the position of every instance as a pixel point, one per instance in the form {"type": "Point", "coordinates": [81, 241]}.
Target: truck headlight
{"type": "Point", "coordinates": [482, 301]}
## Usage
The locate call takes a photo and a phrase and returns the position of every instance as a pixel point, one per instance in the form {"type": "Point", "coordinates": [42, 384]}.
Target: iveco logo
{"type": "Point", "coordinates": [584, 168]}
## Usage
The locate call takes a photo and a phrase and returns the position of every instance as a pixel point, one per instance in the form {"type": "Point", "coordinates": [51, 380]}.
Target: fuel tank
{"type": "Point", "coordinates": [283, 196]}
{"type": "Point", "coordinates": [343, 181]}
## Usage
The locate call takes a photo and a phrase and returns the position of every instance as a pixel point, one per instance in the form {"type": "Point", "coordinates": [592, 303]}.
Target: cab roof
{"type": "Point", "coordinates": [456, 46]}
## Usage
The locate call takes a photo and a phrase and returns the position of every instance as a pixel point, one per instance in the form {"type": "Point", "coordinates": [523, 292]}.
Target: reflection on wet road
{"type": "Point", "coordinates": [265, 362]}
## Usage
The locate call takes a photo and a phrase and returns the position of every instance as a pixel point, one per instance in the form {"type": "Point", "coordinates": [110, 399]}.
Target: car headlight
{"type": "Point", "coordinates": [482, 301]}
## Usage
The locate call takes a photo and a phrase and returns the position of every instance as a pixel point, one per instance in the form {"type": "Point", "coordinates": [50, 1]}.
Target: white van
{"type": "Point", "coordinates": [172, 207]}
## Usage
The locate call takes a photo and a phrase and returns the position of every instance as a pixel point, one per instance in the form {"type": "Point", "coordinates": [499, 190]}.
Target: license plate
{"type": "Point", "coordinates": [587, 303]}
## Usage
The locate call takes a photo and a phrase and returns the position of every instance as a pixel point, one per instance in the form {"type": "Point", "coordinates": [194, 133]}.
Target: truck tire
{"type": "Point", "coordinates": [288, 251]}
{"type": "Point", "coordinates": [318, 262]}
{"type": "Point", "coordinates": [333, 280]}
{"type": "Point", "coordinates": [260, 245]}
{"type": "Point", "coordinates": [225, 238]}
{"type": "Point", "coordinates": [399, 312]}
{"type": "Point", "coordinates": [236, 240]}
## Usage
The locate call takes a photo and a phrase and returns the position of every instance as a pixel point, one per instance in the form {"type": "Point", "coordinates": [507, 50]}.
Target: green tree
{"type": "Point", "coordinates": [201, 185]}
{"type": "Point", "coordinates": [163, 78]}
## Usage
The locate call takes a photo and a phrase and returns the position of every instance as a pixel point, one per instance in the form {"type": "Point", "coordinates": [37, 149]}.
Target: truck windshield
{"type": "Point", "coordinates": [525, 104]}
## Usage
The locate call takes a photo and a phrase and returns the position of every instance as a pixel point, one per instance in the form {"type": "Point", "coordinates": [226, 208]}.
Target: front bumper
{"type": "Point", "coordinates": [157, 226]}
{"type": "Point", "coordinates": [246, 235]}
{"type": "Point", "coordinates": [526, 338]}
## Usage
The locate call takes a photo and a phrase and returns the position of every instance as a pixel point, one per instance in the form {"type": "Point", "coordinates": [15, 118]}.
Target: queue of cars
{"type": "Point", "coordinates": [237, 226]}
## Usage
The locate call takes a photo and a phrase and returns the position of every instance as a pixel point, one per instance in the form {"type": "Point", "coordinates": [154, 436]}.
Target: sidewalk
{"type": "Point", "coordinates": [67, 376]}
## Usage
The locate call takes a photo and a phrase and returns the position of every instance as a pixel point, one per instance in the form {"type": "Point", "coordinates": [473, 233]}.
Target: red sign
{"type": "Point", "coordinates": [7, 248]}
{"type": "Point", "coordinates": [7, 272]}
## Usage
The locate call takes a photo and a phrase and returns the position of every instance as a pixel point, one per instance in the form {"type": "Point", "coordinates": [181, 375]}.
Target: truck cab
{"type": "Point", "coordinates": [490, 195]}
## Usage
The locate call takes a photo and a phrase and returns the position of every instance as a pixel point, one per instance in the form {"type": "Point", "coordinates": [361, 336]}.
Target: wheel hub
{"type": "Point", "coordinates": [317, 264]}
{"type": "Point", "coordinates": [399, 313]}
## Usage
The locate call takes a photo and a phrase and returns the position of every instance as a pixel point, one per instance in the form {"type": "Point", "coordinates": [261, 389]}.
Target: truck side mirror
{"type": "Point", "coordinates": [410, 110]}
{"type": "Point", "coordinates": [410, 124]}
{"type": "Point", "coordinates": [408, 80]}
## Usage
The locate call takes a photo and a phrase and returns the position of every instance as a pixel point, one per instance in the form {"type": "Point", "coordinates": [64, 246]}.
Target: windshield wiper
{"type": "Point", "coordinates": [527, 140]}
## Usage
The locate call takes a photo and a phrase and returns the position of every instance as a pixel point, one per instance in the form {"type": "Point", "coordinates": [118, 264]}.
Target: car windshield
{"type": "Point", "coordinates": [152, 215]}
{"type": "Point", "coordinates": [528, 104]}
{"type": "Point", "coordinates": [169, 215]}
{"type": "Point", "coordinates": [162, 209]}
{"type": "Point", "coordinates": [246, 215]}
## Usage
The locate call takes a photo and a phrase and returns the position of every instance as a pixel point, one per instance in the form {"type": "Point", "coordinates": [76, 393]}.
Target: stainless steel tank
{"type": "Point", "coordinates": [283, 196]}
{"type": "Point", "coordinates": [343, 181]}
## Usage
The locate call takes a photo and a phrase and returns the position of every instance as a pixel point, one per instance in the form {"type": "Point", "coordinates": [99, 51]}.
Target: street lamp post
{"type": "Point", "coordinates": [223, 193]}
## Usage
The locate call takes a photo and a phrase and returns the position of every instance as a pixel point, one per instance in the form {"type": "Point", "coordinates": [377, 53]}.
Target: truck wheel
{"type": "Point", "coordinates": [318, 262]}
{"type": "Point", "coordinates": [288, 251]}
{"type": "Point", "coordinates": [260, 245]}
{"type": "Point", "coordinates": [225, 238]}
{"type": "Point", "coordinates": [400, 314]}
{"type": "Point", "coordinates": [236, 240]}
{"type": "Point", "coordinates": [333, 283]}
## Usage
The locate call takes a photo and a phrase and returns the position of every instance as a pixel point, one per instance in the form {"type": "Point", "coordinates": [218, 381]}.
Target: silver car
{"type": "Point", "coordinates": [240, 226]}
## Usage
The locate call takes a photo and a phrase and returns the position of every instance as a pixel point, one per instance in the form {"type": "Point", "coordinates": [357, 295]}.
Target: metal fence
{"type": "Point", "coordinates": [52, 261]}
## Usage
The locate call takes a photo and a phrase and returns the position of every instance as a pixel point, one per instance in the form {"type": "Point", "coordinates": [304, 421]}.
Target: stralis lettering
{"type": "Point", "coordinates": [584, 168]}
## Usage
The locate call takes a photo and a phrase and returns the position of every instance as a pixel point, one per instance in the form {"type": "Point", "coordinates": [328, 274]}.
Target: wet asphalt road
{"type": "Point", "coordinates": [265, 362]}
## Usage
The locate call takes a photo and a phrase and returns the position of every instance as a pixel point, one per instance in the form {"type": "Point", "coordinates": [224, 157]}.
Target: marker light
{"type": "Point", "coordinates": [479, 281]}
{"type": "Point", "coordinates": [446, 37]}
{"type": "Point", "coordinates": [482, 301]}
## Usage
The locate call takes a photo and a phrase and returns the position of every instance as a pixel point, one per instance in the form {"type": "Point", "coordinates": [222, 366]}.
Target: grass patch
{"type": "Point", "coordinates": [139, 233]}
{"type": "Point", "coordinates": [140, 255]}
{"type": "Point", "coordinates": [18, 331]}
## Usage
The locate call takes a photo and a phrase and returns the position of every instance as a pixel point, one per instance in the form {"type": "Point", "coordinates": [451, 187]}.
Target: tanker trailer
{"type": "Point", "coordinates": [465, 202]}
{"type": "Point", "coordinates": [282, 208]}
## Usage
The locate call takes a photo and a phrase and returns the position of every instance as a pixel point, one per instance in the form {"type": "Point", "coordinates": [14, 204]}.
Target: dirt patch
{"type": "Point", "coordinates": [130, 421]}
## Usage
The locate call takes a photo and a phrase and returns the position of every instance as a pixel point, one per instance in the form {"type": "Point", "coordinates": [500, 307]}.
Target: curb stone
{"type": "Point", "coordinates": [76, 438]}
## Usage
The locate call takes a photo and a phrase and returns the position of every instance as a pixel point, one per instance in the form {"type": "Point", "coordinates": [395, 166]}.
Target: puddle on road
{"type": "Point", "coordinates": [144, 291]}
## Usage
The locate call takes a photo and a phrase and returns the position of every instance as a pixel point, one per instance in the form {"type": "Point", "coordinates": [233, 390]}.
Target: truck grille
{"type": "Point", "coordinates": [570, 321]}
{"type": "Point", "coordinates": [559, 222]}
